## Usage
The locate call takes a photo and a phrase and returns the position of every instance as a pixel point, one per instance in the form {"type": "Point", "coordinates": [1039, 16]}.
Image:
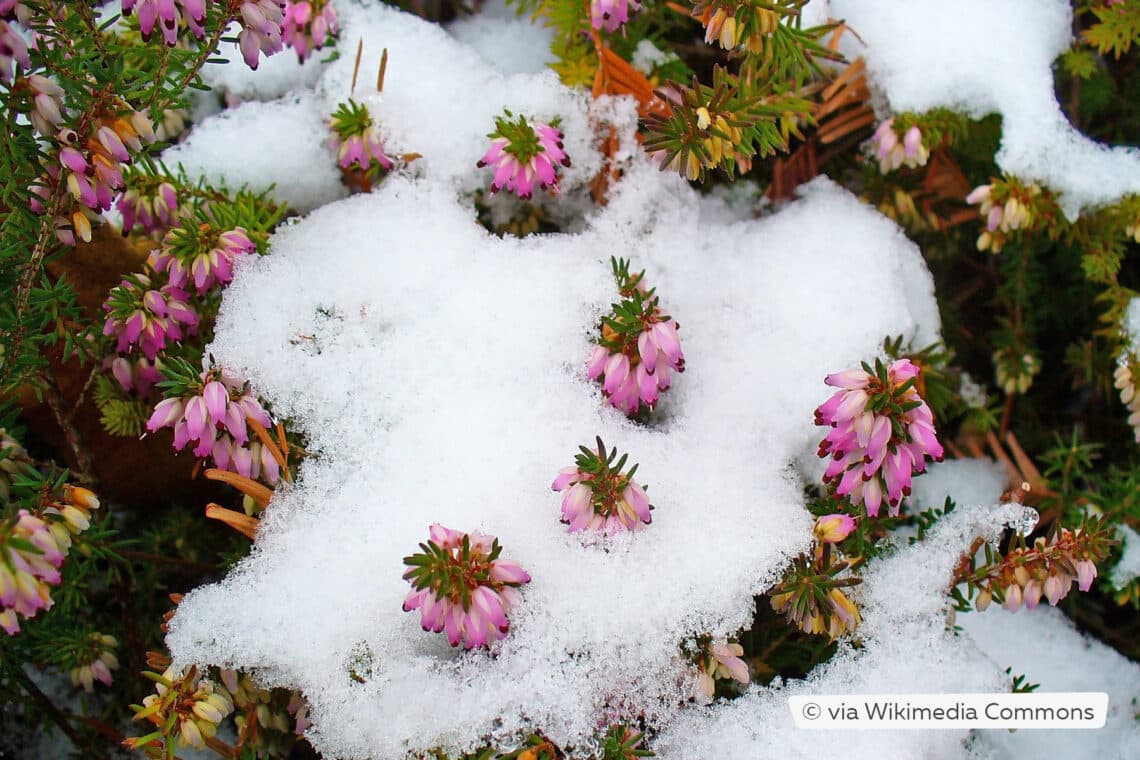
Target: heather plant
{"type": "Point", "coordinates": [196, 316]}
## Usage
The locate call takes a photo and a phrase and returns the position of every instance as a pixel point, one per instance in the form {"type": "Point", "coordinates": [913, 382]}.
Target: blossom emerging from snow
{"type": "Point", "coordinates": [610, 14]}
{"type": "Point", "coordinates": [212, 415]}
{"type": "Point", "coordinates": [816, 606]}
{"type": "Point", "coordinates": [720, 660]}
{"type": "Point", "coordinates": [1124, 378]}
{"type": "Point", "coordinates": [462, 587]}
{"type": "Point", "coordinates": [893, 152]}
{"type": "Point", "coordinates": [166, 14]}
{"type": "Point", "coordinates": [831, 529]}
{"type": "Point", "coordinates": [598, 495]}
{"type": "Point", "coordinates": [881, 432]}
{"type": "Point", "coordinates": [308, 26]}
{"type": "Point", "coordinates": [639, 349]}
{"type": "Point", "coordinates": [358, 144]}
{"type": "Point", "coordinates": [524, 156]}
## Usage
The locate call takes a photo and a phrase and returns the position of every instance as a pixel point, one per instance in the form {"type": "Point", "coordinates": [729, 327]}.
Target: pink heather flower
{"type": "Point", "coordinates": [1086, 573]}
{"type": "Point", "coordinates": [831, 529]}
{"type": "Point", "coordinates": [201, 259]}
{"type": "Point", "coordinates": [47, 113]}
{"type": "Point", "coordinates": [462, 587]}
{"type": "Point", "coordinates": [214, 419]}
{"type": "Point", "coordinates": [134, 375]}
{"type": "Point", "coordinates": [13, 49]}
{"type": "Point", "coordinates": [166, 13]}
{"type": "Point", "coordinates": [893, 152]}
{"type": "Point", "coordinates": [598, 496]}
{"type": "Point", "coordinates": [610, 14]}
{"type": "Point", "coordinates": [357, 141]}
{"type": "Point", "coordinates": [138, 315]}
{"type": "Point", "coordinates": [25, 575]}
{"type": "Point", "coordinates": [639, 349]}
{"type": "Point", "coordinates": [870, 461]}
{"type": "Point", "coordinates": [524, 157]}
{"type": "Point", "coordinates": [308, 25]}
{"type": "Point", "coordinates": [262, 26]}
{"type": "Point", "coordinates": [12, 9]}
{"type": "Point", "coordinates": [154, 212]}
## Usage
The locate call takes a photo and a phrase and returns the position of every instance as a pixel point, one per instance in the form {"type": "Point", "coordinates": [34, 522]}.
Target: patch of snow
{"type": "Point", "coordinates": [991, 56]}
{"type": "Point", "coordinates": [463, 412]}
{"type": "Point", "coordinates": [512, 44]}
{"type": "Point", "coordinates": [1127, 569]}
{"type": "Point", "coordinates": [282, 143]}
{"type": "Point", "coordinates": [906, 647]}
{"type": "Point", "coordinates": [1043, 645]}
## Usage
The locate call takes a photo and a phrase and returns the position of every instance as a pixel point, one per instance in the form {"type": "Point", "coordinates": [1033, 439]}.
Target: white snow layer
{"type": "Point", "coordinates": [991, 56]}
{"type": "Point", "coordinates": [439, 375]}
{"type": "Point", "coordinates": [1044, 646]}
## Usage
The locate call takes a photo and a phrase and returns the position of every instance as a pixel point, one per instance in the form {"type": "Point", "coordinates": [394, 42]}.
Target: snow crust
{"type": "Point", "coordinates": [991, 56]}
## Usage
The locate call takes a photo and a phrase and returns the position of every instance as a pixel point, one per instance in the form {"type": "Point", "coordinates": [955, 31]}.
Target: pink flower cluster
{"type": "Point", "coordinates": [153, 212]}
{"type": "Point", "coordinates": [138, 315]}
{"type": "Point", "coordinates": [166, 14]}
{"type": "Point", "coordinates": [610, 14]}
{"type": "Point", "coordinates": [308, 25]}
{"type": "Point", "coordinates": [138, 376]}
{"type": "Point", "coordinates": [214, 419]}
{"type": "Point", "coordinates": [525, 157]}
{"type": "Point", "coordinates": [893, 153]}
{"type": "Point", "coordinates": [881, 432]}
{"type": "Point", "coordinates": [598, 497]}
{"type": "Point", "coordinates": [361, 151]}
{"type": "Point", "coordinates": [13, 49]}
{"type": "Point", "coordinates": [262, 24]}
{"type": "Point", "coordinates": [630, 381]}
{"type": "Point", "coordinates": [27, 573]}
{"type": "Point", "coordinates": [462, 588]}
{"type": "Point", "coordinates": [208, 262]}
{"type": "Point", "coordinates": [47, 109]}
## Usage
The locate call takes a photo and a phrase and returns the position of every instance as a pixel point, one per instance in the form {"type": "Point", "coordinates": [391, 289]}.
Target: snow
{"type": "Point", "coordinates": [1131, 325]}
{"type": "Point", "coordinates": [1127, 569]}
{"type": "Point", "coordinates": [905, 647]}
{"type": "Point", "coordinates": [967, 481]}
{"type": "Point", "coordinates": [463, 412]}
{"type": "Point", "coordinates": [509, 43]}
{"type": "Point", "coordinates": [1044, 646]}
{"type": "Point", "coordinates": [991, 56]}
{"type": "Point", "coordinates": [284, 142]}
{"type": "Point", "coordinates": [275, 76]}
